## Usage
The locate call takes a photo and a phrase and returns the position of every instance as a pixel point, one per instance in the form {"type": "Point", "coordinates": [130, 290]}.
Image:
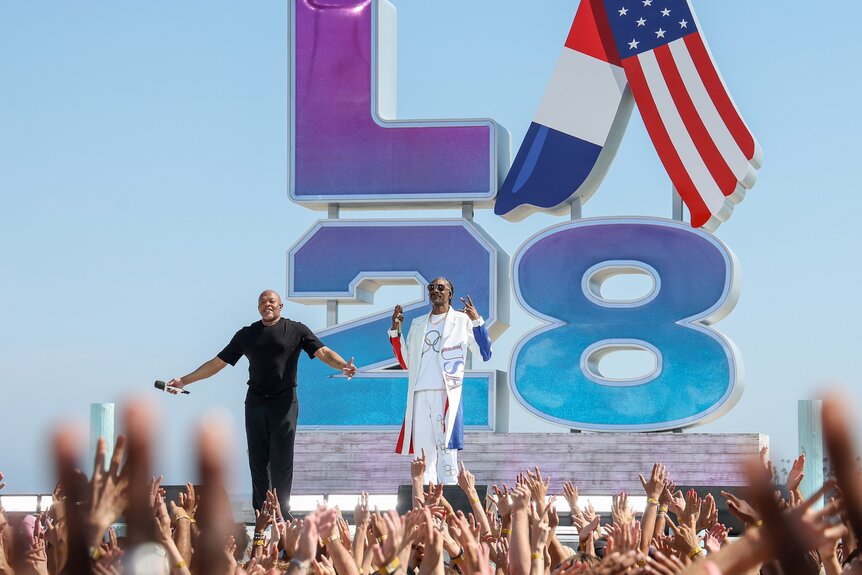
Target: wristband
{"type": "Point", "coordinates": [535, 556]}
{"type": "Point", "coordinates": [694, 551]}
{"type": "Point", "coordinates": [758, 523]}
{"type": "Point", "coordinates": [651, 500]}
{"type": "Point", "coordinates": [391, 568]}
{"type": "Point", "coordinates": [382, 538]}
{"type": "Point", "coordinates": [96, 553]}
{"type": "Point", "coordinates": [183, 517]}
{"type": "Point", "coordinates": [330, 539]}
{"type": "Point", "coordinates": [180, 564]}
{"type": "Point", "coordinates": [505, 531]}
{"type": "Point", "coordinates": [474, 500]}
{"type": "Point", "coordinates": [663, 508]}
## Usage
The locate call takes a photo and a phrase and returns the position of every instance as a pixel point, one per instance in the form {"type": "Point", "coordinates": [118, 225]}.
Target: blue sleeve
{"type": "Point", "coordinates": [480, 333]}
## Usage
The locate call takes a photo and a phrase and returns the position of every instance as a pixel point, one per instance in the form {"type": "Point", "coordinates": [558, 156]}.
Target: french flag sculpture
{"type": "Point", "coordinates": [650, 51]}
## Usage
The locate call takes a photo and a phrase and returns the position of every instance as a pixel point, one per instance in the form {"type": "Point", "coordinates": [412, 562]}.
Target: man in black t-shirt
{"type": "Point", "coordinates": [272, 347]}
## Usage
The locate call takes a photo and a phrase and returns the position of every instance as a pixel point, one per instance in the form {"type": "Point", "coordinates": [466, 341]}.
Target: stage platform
{"type": "Point", "coordinates": [598, 463]}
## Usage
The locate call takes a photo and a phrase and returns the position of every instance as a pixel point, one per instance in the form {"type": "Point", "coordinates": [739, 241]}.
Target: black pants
{"type": "Point", "coordinates": [270, 429]}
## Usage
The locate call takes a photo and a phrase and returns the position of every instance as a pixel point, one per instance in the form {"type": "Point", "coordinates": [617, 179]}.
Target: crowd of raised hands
{"type": "Point", "coordinates": [513, 531]}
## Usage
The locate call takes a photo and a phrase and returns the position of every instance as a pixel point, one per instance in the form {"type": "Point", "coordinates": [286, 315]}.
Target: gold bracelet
{"type": "Point", "coordinates": [259, 542]}
{"type": "Point", "coordinates": [382, 538]}
{"type": "Point", "coordinates": [180, 564]}
{"type": "Point", "coordinates": [651, 500]}
{"type": "Point", "coordinates": [96, 553]}
{"type": "Point", "coordinates": [535, 556]}
{"type": "Point", "coordinates": [330, 539]}
{"type": "Point", "coordinates": [505, 531]}
{"type": "Point", "coordinates": [758, 523]}
{"type": "Point", "coordinates": [694, 551]}
{"type": "Point", "coordinates": [184, 517]}
{"type": "Point", "coordinates": [663, 508]}
{"type": "Point", "coordinates": [474, 500]}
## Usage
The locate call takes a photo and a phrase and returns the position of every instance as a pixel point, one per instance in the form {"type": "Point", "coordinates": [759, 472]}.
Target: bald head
{"type": "Point", "coordinates": [269, 306]}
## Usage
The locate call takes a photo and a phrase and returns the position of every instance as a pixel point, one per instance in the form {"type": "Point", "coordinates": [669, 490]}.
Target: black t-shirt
{"type": "Point", "coordinates": [272, 352]}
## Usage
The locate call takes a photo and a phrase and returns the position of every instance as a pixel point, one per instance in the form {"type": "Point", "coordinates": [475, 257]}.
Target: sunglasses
{"type": "Point", "coordinates": [438, 287]}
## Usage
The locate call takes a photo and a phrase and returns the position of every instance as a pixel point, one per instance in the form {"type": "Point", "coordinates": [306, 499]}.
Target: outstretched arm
{"type": "Point", "coordinates": [208, 369]}
{"type": "Point", "coordinates": [335, 361]}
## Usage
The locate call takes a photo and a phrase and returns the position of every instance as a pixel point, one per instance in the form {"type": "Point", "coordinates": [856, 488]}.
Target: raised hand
{"type": "Point", "coordinates": [766, 466]}
{"type": "Point", "coordinates": [741, 509]}
{"type": "Point", "coordinates": [466, 480]}
{"type": "Point", "coordinates": [684, 538]}
{"type": "Point", "coordinates": [621, 511]}
{"type": "Point", "coordinates": [432, 561]}
{"type": "Point", "coordinates": [262, 517]}
{"type": "Point", "coordinates": [655, 485]}
{"type": "Point", "coordinates": [570, 492]}
{"type": "Point", "coordinates": [538, 488]}
{"type": "Point", "coordinates": [108, 491]}
{"type": "Point", "coordinates": [693, 505]}
{"type": "Point", "coordinates": [36, 557]}
{"type": "Point", "coordinates": [708, 513]}
{"type": "Point", "coordinates": [397, 318]}
{"type": "Point", "coordinates": [715, 537]}
{"type": "Point", "coordinates": [290, 537]}
{"type": "Point", "coordinates": [794, 477]}
{"type": "Point", "coordinates": [500, 554]}
{"type": "Point", "coordinates": [520, 497]}
{"type": "Point", "coordinates": [417, 466]}
{"type": "Point", "coordinates": [360, 512]}
{"type": "Point", "coordinates": [189, 501]}
{"type": "Point", "coordinates": [540, 531]}
{"type": "Point", "coordinates": [676, 503]}
{"type": "Point", "coordinates": [469, 308]}
{"type": "Point", "coordinates": [587, 527]}
{"type": "Point", "coordinates": [434, 496]}
{"type": "Point", "coordinates": [272, 497]}
{"type": "Point", "coordinates": [502, 500]}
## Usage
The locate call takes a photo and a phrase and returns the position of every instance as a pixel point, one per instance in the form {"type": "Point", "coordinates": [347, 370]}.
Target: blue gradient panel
{"type": "Point", "coordinates": [698, 377]}
{"type": "Point", "coordinates": [549, 168]}
{"type": "Point", "coordinates": [343, 151]}
{"type": "Point", "coordinates": [346, 260]}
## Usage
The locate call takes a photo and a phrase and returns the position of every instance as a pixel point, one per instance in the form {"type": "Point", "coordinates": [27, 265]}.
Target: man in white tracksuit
{"type": "Point", "coordinates": [435, 354]}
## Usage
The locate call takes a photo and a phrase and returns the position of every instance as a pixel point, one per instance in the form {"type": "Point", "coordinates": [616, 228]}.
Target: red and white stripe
{"type": "Point", "coordinates": [705, 146]}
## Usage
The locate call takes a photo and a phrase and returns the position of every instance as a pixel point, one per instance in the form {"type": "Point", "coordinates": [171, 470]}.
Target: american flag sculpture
{"type": "Point", "coordinates": [652, 52]}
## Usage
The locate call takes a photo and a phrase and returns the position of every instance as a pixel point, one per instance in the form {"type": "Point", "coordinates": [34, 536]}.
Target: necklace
{"type": "Point", "coordinates": [432, 322]}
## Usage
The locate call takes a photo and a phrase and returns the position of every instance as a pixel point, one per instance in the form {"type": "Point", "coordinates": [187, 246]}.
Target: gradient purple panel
{"type": "Point", "coordinates": [340, 152]}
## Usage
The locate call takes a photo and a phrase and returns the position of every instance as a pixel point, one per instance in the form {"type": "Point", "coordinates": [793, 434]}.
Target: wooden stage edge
{"type": "Point", "coordinates": [329, 462]}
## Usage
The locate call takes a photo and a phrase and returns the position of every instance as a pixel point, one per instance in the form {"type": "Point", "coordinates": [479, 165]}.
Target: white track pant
{"type": "Point", "coordinates": [441, 465]}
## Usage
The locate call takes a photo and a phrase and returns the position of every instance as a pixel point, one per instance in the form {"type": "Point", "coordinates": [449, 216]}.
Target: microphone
{"type": "Point", "coordinates": [159, 384]}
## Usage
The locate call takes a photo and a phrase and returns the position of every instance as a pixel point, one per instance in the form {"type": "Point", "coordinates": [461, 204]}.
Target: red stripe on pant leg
{"type": "Point", "coordinates": [715, 162]}
{"type": "Point", "coordinates": [718, 93]}
{"type": "Point", "coordinates": [668, 155]}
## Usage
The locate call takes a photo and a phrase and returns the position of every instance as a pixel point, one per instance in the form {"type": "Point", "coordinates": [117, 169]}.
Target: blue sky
{"type": "Point", "coordinates": [143, 167]}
